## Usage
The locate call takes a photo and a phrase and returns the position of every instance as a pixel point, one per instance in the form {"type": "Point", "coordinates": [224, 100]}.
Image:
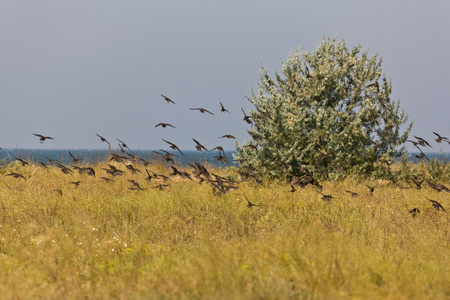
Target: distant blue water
{"type": "Point", "coordinates": [95, 156]}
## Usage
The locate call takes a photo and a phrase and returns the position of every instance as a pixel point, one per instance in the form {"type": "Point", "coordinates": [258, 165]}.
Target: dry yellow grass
{"type": "Point", "coordinates": [101, 240]}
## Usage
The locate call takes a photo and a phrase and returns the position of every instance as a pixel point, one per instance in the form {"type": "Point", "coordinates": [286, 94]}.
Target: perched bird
{"type": "Point", "coordinates": [414, 212]}
{"type": "Point", "coordinates": [247, 118]}
{"type": "Point", "coordinates": [42, 138]}
{"type": "Point", "coordinates": [228, 136]}
{"type": "Point", "coordinates": [199, 146]}
{"type": "Point", "coordinates": [102, 139]}
{"type": "Point", "coordinates": [440, 138]}
{"type": "Point", "coordinates": [168, 100]}
{"type": "Point", "coordinates": [223, 109]}
{"type": "Point", "coordinates": [202, 110]}
{"type": "Point", "coordinates": [164, 125]}
{"type": "Point", "coordinates": [437, 205]}
{"type": "Point", "coordinates": [173, 146]}
{"type": "Point", "coordinates": [16, 175]}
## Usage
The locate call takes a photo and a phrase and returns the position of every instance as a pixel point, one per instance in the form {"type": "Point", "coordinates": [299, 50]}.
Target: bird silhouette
{"type": "Point", "coordinates": [168, 100]}
{"type": "Point", "coordinates": [440, 138]}
{"type": "Point", "coordinates": [164, 125]}
{"type": "Point", "coordinates": [223, 109]}
{"type": "Point", "coordinates": [247, 118]}
{"type": "Point", "coordinates": [76, 183]}
{"type": "Point", "coordinates": [438, 187]}
{"type": "Point", "coordinates": [437, 205]}
{"type": "Point", "coordinates": [107, 179]}
{"type": "Point", "coordinates": [24, 163]}
{"type": "Point", "coordinates": [123, 145]}
{"type": "Point", "coordinates": [42, 138]}
{"type": "Point", "coordinates": [102, 139]}
{"type": "Point", "coordinates": [228, 136]}
{"type": "Point", "coordinates": [173, 146]}
{"type": "Point", "coordinates": [422, 142]}
{"type": "Point", "coordinates": [16, 175]}
{"type": "Point", "coordinates": [326, 197]}
{"type": "Point", "coordinates": [199, 146]}
{"type": "Point", "coordinates": [353, 194]}
{"type": "Point", "coordinates": [74, 159]}
{"type": "Point", "coordinates": [249, 204]}
{"type": "Point", "coordinates": [414, 212]}
{"type": "Point", "coordinates": [202, 110]}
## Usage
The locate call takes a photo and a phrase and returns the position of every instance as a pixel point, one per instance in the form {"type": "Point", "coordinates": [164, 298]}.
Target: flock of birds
{"type": "Point", "coordinates": [219, 184]}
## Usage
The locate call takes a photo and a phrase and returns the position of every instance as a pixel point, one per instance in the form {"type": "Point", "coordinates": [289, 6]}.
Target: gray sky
{"type": "Point", "coordinates": [70, 69]}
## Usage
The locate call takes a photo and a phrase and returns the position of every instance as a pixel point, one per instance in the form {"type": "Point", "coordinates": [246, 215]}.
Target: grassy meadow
{"type": "Point", "coordinates": [101, 240]}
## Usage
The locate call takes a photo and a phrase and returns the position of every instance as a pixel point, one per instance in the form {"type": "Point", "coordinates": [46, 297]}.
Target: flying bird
{"type": "Point", "coordinates": [16, 175]}
{"type": "Point", "coordinates": [249, 204]}
{"type": "Point", "coordinates": [24, 163]}
{"type": "Point", "coordinates": [228, 136]}
{"type": "Point", "coordinates": [437, 205]}
{"type": "Point", "coordinates": [168, 100]}
{"type": "Point", "coordinates": [414, 212]}
{"type": "Point", "coordinates": [164, 125]}
{"type": "Point", "coordinates": [247, 118]}
{"type": "Point", "coordinates": [202, 110]}
{"type": "Point", "coordinates": [440, 138]}
{"type": "Point", "coordinates": [173, 146]}
{"type": "Point", "coordinates": [223, 109]}
{"type": "Point", "coordinates": [102, 139]}
{"type": "Point", "coordinates": [123, 145]}
{"type": "Point", "coordinates": [199, 146]}
{"type": "Point", "coordinates": [42, 138]}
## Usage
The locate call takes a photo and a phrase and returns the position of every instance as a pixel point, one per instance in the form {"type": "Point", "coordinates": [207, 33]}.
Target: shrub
{"type": "Point", "coordinates": [326, 113]}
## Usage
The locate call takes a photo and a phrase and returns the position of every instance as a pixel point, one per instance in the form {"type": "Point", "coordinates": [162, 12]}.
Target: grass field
{"type": "Point", "coordinates": [101, 240]}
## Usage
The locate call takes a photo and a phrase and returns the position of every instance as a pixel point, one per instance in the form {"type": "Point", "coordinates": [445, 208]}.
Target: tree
{"type": "Point", "coordinates": [327, 113]}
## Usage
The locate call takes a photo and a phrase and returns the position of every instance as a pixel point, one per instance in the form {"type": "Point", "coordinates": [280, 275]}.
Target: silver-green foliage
{"type": "Point", "coordinates": [328, 111]}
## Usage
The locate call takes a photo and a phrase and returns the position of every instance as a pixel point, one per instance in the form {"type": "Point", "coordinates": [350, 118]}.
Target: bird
{"type": "Point", "coordinates": [414, 212]}
{"type": "Point", "coordinates": [353, 194]}
{"type": "Point", "coordinates": [199, 146]}
{"type": "Point", "coordinates": [326, 197]}
{"type": "Point", "coordinates": [371, 188]}
{"type": "Point", "coordinates": [438, 187]}
{"type": "Point", "coordinates": [202, 110]}
{"type": "Point", "coordinates": [228, 136]}
{"type": "Point", "coordinates": [437, 205]}
{"type": "Point", "coordinates": [76, 183]}
{"type": "Point", "coordinates": [247, 118]}
{"type": "Point", "coordinates": [422, 142]}
{"type": "Point", "coordinates": [173, 146]}
{"type": "Point", "coordinates": [168, 100]}
{"type": "Point", "coordinates": [249, 204]}
{"type": "Point", "coordinates": [75, 160]}
{"type": "Point", "coordinates": [107, 179]}
{"type": "Point", "coordinates": [218, 148]}
{"type": "Point", "coordinates": [164, 125]}
{"type": "Point", "coordinates": [102, 139]}
{"type": "Point", "coordinates": [42, 138]}
{"type": "Point", "coordinates": [123, 145]}
{"type": "Point", "coordinates": [440, 138]}
{"type": "Point", "coordinates": [16, 175]}
{"type": "Point", "coordinates": [24, 163]}
{"type": "Point", "coordinates": [223, 109]}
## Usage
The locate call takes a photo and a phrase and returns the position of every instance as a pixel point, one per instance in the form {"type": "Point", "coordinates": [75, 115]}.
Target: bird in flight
{"type": "Point", "coordinates": [247, 118]}
{"type": "Point", "coordinates": [168, 100]}
{"type": "Point", "coordinates": [228, 136]}
{"type": "Point", "coordinates": [202, 110]}
{"type": "Point", "coordinates": [16, 175]}
{"type": "Point", "coordinates": [440, 138]}
{"type": "Point", "coordinates": [223, 109]}
{"type": "Point", "coordinates": [164, 125]}
{"type": "Point", "coordinates": [199, 146]}
{"type": "Point", "coordinates": [437, 205]}
{"type": "Point", "coordinates": [173, 146]}
{"type": "Point", "coordinates": [42, 138]}
{"type": "Point", "coordinates": [249, 204]}
{"type": "Point", "coordinates": [102, 139]}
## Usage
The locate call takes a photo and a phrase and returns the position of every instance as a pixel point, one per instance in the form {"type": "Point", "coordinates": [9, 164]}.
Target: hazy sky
{"type": "Point", "coordinates": [70, 69]}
